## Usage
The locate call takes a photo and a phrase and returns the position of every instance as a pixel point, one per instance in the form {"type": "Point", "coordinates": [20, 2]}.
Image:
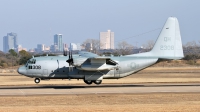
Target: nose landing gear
{"type": "Point", "coordinates": [37, 80]}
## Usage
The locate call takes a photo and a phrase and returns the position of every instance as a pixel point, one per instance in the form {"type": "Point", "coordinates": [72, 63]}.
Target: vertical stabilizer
{"type": "Point", "coordinates": [168, 45]}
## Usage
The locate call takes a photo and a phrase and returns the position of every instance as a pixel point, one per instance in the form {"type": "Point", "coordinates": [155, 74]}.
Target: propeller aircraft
{"type": "Point", "coordinates": [93, 68]}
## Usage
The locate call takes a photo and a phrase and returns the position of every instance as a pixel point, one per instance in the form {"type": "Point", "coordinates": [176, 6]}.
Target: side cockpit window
{"type": "Point", "coordinates": [32, 61]}
{"type": "Point", "coordinates": [27, 63]}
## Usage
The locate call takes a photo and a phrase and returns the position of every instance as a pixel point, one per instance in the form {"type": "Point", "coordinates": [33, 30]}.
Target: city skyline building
{"type": "Point", "coordinates": [20, 48]}
{"type": "Point", "coordinates": [46, 48]}
{"type": "Point", "coordinates": [58, 41]}
{"type": "Point", "coordinates": [10, 42]}
{"type": "Point", "coordinates": [65, 46]}
{"type": "Point", "coordinates": [40, 47]}
{"type": "Point", "coordinates": [88, 47]}
{"type": "Point", "coordinates": [75, 46]}
{"type": "Point", "coordinates": [106, 40]}
{"type": "Point", "coordinates": [53, 48]}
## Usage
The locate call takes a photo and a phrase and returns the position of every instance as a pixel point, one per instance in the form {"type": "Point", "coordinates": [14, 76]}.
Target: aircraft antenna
{"type": "Point", "coordinates": [139, 34]}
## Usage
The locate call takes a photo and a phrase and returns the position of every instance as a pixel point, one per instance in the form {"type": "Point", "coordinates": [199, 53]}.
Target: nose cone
{"type": "Point", "coordinates": [22, 70]}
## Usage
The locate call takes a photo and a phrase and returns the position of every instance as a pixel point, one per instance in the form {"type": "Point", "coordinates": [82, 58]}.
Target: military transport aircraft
{"type": "Point", "coordinates": [93, 68]}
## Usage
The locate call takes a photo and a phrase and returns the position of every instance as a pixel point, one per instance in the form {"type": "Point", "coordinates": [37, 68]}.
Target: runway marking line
{"type": "Point", "coordinates": [22, 92]}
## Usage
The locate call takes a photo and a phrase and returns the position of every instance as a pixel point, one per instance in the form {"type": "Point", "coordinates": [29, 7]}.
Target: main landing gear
{"type": "Point", "coordinates": [97, 82]}
{"type": "Point", "coordinates": [37, 80]}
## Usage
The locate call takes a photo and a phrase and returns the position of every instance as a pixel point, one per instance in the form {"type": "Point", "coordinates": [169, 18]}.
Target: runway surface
{"type": "Point", "coordinates": [99, 89]}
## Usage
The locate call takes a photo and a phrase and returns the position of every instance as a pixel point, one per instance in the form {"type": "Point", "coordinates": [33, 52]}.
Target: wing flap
{"type": "Point", "coordinates": [98, 63]}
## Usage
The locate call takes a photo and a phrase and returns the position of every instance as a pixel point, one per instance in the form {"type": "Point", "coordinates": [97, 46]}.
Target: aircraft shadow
{"type": "Point", "coordinates": [94, 86]}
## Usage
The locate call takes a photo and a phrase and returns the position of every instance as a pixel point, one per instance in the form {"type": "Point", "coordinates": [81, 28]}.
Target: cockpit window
{"type": "Point", "coordinates": [27, 63]}
{"type": "Point", "coordinates": [32, 61]}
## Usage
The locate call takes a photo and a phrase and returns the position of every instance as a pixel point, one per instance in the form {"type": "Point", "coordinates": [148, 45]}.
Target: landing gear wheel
{"type": "Point", "coordinates": [37, 80]}
{"type": "Point", "coordinates": [88, 82]}
{"type": "Point", "coordinates": [97, 82]}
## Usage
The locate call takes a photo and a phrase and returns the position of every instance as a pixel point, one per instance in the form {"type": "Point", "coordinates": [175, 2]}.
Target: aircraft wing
{"type": "Point", "coordinates": [98, 63]}
{"type": "Point", "coordinates": [87, 54]}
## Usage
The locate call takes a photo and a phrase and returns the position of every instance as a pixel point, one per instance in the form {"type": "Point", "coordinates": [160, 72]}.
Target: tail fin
{"type": "Point", "coordinates": [168, 44]}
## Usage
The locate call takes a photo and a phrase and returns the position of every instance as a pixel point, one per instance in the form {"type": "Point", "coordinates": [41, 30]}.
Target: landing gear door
{"type": "Point", "coordinates": [45, 72]}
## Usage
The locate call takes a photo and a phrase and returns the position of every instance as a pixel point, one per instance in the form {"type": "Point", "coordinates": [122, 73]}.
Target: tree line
{"type": "Point", "coordinates": [13, 59]}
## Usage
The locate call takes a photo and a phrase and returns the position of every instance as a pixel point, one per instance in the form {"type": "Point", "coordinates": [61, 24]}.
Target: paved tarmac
{"type": "Point", "coordinates": [99, 89]}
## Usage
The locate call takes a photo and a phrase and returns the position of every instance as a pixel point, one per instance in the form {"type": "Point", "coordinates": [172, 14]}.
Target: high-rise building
{"type": "Point", "coordinates": [106, 40]}
{"type": "Point", "coordinates": [9, 42]}
{"type": "Point", "coordinates": [58, 41]}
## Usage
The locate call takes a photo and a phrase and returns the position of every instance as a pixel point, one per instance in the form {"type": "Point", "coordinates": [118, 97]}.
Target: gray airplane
{"type": "Point", "coordinates": [93, 68]}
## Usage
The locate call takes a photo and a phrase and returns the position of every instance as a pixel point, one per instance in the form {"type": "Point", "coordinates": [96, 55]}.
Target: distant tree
{"type": "Point", "coordinates": [149, 45]}
{"type": "Point", "coordinates": [13, 56]}
{"type": "Point", "coordinates": [24, 57]}
{"type": "Point", "coordinates": [107, 53]}
{"type": "Point", "coordinates": [23, 53]}
{"type": "Point", "coordinates": [191, 52]}
{"type": "Point", "coordinates": [4, 65]}
{"type": "Point", "coordinates": [95, 44]}
{"type": "Point", "coordinates": [124, 48]}
{"type": "Point", "coordinates": [23, 60]}
{"type": "Point", "coordinates": [12, 52]}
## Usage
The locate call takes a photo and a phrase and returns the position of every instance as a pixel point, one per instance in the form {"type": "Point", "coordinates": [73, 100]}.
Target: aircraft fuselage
{"type": "Point", "coordinates": [56, 67]}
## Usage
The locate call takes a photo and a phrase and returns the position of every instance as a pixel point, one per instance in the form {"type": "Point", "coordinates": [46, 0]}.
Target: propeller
{"type": "Point", "coordinates": [70, 60]}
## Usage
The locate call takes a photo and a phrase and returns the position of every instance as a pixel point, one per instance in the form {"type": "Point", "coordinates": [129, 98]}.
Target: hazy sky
{"type": "Point", "coordinates": [36, 21]}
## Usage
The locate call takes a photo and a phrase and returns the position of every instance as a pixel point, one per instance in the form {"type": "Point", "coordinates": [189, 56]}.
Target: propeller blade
{"type": "Point", "coordinates": [70, 60]}
{"type": "Point", "coordinates": [69, 55]}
